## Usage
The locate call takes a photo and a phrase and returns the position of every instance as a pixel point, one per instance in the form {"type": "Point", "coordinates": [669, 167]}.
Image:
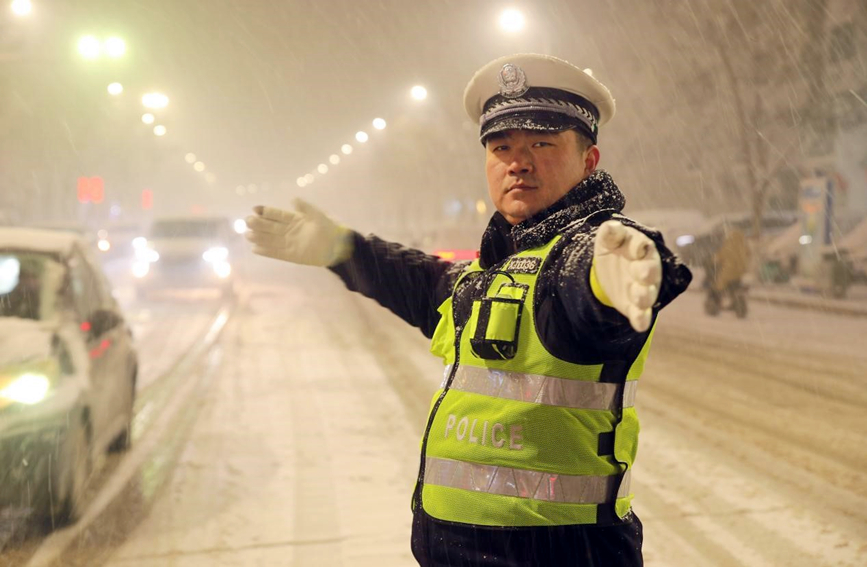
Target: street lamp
{"type": "Point", "coordinates": [115, 47]}
{"type": "Point", "coordinates": [22, 7]}
{"type": "Point", "coordinates": [334, 159]}
{"type": "Point", "coordinates": [418, 92]}
{"type": "Point", "coordinates": [155, 100]}
{"type": "Point", "coordinates": [511, 21]}
{"type": "Point", "coordinates": [322, 168]}
{"type": "Point", "coordinates": [190, 158]}
{"type": "Point", "coordinates": [379, 123]}
{"type": "Point", "coordinates": [346, 149]}
{"type": "Point", "coordinates": [88, 47]}
{"type": "Point", "coordinates": [361, 136]}
{"type": "Point", "coordinates": [148, 118]}
{"type": "Point", "coordinates": [199, 166]}
{"type": "Point", "coordinates": [160, 130]}
{"type": "Point", "coordinates": [115, 89]}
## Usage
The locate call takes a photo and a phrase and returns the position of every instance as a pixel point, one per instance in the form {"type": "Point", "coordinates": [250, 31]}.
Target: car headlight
{"type": "Point", "coordinates": [222, 269]}
{"type": "Point", "coordinates": [140, 268]}
{"type": "Point", "coordinates": [146, 254]}
{"type": "Point", "coordinates": [29, 388]}
{"type": "Point", "coordinates": [28, 382]}
{"type": "Point", "coordinates": [216, 254]}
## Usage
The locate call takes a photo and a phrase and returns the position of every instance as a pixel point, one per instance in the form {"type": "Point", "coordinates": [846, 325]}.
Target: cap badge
{"type": "Point", "coordinates": [513, 81]}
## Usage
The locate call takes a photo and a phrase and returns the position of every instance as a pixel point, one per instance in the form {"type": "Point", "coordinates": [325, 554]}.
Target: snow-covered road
{"type": "Point", "coordinates": [297, 443]}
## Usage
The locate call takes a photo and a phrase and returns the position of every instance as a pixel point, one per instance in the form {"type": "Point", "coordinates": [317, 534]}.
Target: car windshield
{"type": "Point", "coordinates": [28, 284]}
{"type": "Point", "coordinates": [188, 228]}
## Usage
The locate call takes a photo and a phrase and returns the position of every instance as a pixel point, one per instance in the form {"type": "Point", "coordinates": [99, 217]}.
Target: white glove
{"type": "Point", "coordinates": [629, 270]}
{"type": "Point", "coordinates": [303, 236]}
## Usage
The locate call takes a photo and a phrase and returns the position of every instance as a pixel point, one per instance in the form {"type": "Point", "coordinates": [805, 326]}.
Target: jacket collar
{"type": "Point", "coordinates": [595, 193]}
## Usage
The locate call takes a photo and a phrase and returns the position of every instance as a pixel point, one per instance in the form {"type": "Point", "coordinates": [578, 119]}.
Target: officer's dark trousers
{"type": "Point", "coordinates": [445, 544]}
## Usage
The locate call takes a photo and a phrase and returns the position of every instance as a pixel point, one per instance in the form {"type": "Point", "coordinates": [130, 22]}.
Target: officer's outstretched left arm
{"type": "Point", "coordinates": [626, 272]}
{"type": "Point", "coordinates": [303, 236]}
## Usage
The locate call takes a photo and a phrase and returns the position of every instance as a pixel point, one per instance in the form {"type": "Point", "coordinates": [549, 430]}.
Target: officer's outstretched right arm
{"type": "Point", "coordinates": [303, 236]}
{"type": "Point", "coordinates": [409, 283]}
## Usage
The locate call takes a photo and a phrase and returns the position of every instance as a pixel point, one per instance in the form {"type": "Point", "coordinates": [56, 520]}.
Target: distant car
{"type": "Point", "coordinates": [67, 371]}
{"type": "Point", "coordinates": [186, 252]}
{"type": "Point", "coordinates": [456, 254]}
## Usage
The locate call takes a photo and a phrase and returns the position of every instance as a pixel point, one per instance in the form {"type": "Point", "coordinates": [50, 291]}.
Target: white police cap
{"type": "Point", "coordinates": [529, 91]}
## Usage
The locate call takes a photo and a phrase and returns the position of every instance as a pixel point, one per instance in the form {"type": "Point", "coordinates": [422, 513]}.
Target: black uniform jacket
{"type": "Point", "coordinates": [572, 324]}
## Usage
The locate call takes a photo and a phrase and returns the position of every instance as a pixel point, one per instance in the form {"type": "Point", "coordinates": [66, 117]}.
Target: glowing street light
{"type": "Point", "coordinates": [418, 92]}
{"type": "Point", "coordinates": [190, 158]}
{"type": "Point", "coordinates": [379, 123]}
{"type": "Point", "coordinates": [148, 118]}
{"type": "Point", "coordinates": [115, 89]}
{"type": "Point", "coordinates": [160, 130]}
{"type": "Point", "coordinates": [240, 226]}
{"type": "Point", "coordinates": [88, 47]}
{"type": "Point", "coordinates": [114, 47]}
{"type": "Point", "coordinates": [511, 20]}
{"type": "Point", "coordinates": [346, 149]}
{"type": "Point", "coordinates": [155, 100]}
{"type": "Point", "coordinates": [361, 137]}
{"type": "Point", "coordinates": [301, 182]}
{"type": "Point", "coordinates": [309, 178]}
{"type": "Point", "coordinates": [334, 159]}
{"type": "Point", "coordinates": [22, 7]}
{"type": "Point", "coordinates": [322, 168]}
{"type": "Point", "coordinates": [199, 166]}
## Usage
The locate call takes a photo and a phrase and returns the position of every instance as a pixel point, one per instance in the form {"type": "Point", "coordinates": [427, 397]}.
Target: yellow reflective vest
{"type": "Point", "coordinates": [516, 436]}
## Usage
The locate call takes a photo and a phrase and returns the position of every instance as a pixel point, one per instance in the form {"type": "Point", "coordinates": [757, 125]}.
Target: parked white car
{"type": "Point", "coordinates": [67, 371]}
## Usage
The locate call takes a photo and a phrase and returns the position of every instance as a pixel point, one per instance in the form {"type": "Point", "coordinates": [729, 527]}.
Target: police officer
{"type": "Point", "coordinates": [528, 450]}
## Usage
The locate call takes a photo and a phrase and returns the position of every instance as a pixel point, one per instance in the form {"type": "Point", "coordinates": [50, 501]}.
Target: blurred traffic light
{"type": "Point", "coordinates": [83, 190]}
{"type": "Point", "coordinates": [147, 199]}
{"type": "Point", "coordinates": [90, 190]}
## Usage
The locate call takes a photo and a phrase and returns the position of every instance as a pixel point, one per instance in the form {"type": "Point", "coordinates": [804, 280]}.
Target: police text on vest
{"type": "Point", "coordinates": [484, 433]}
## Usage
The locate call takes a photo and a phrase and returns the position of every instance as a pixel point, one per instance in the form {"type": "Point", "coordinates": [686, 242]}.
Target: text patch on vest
{"type": "Point", "coordinates": [524, 265]}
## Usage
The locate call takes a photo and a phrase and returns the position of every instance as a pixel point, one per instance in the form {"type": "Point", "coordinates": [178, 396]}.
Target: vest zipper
{"type": "Point", "coordinates": [420, 482]}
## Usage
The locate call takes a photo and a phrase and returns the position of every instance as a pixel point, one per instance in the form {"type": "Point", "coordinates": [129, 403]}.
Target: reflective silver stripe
{"type": "Point", "coordinates": [535, 388]}
{"type": "Point", "coordinates": [522, 483]}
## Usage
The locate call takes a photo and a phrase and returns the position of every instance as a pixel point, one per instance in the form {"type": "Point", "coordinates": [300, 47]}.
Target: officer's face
{"type": "Point", "coordinates": [529, 171]}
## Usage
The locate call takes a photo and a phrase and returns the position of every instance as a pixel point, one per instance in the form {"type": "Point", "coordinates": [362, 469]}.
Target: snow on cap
{"type": "Point", "coordinates": [528, 91]}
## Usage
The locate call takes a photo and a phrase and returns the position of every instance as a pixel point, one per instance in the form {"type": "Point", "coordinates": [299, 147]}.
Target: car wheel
{"type": "Point", "coordinates": [712, 305]}
{"type": "Point", "coordinates": [59, 496]}
{"type": "Point", "coordinates": [123, 441]}
{"type": "Point", "coordinates": [740, 307]}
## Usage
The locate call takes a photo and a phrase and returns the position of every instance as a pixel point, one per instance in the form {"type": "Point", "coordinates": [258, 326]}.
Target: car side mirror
{"type": "Point", "coordinates": [102, 321]}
